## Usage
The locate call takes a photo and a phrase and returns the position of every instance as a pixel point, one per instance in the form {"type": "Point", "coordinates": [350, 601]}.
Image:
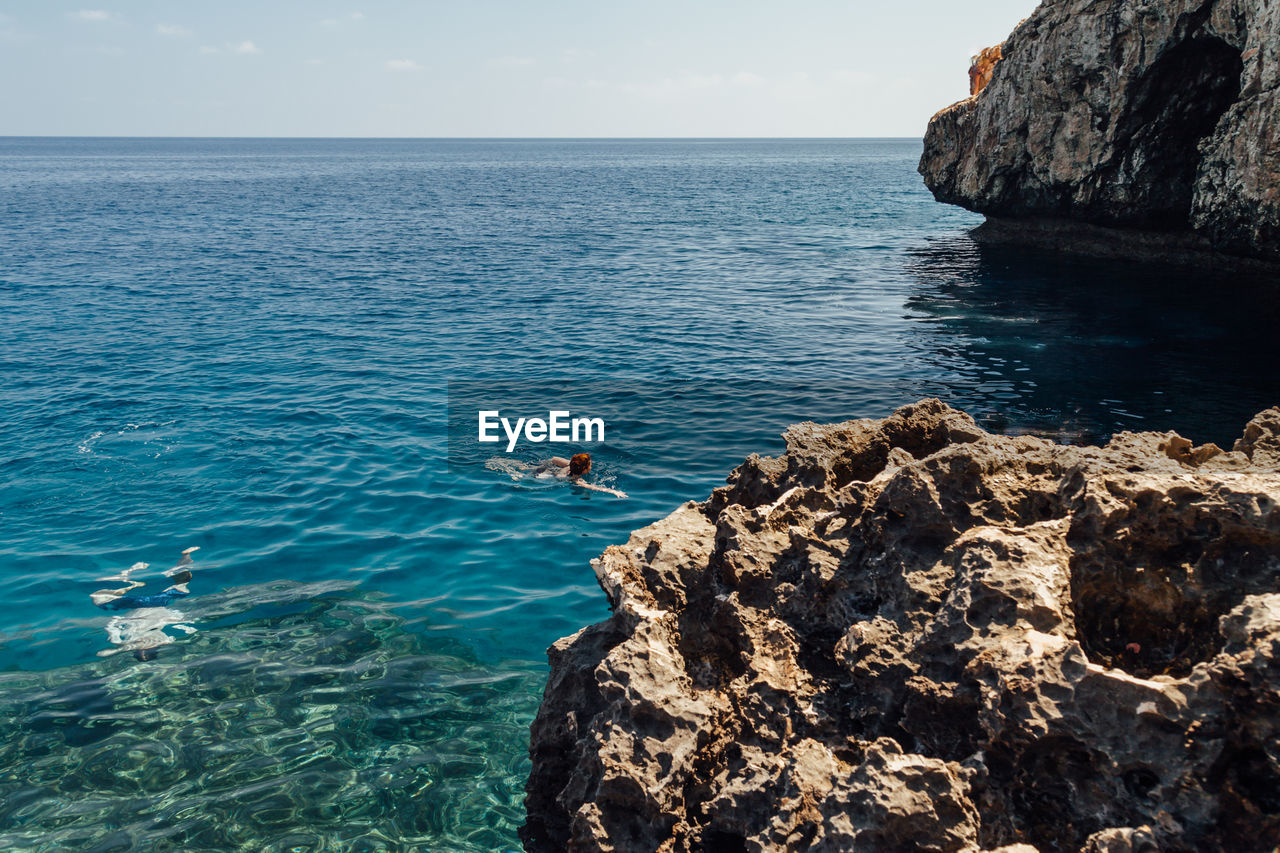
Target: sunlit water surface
{"type": "Point", "coordinates": [246, 346]}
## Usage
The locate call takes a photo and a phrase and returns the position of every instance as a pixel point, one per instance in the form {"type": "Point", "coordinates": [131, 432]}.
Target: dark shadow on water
{"type": "Point", "coordinates": [1080, 348]}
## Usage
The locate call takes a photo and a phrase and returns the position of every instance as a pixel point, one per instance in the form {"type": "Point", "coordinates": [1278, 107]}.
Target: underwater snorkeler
{"type": "Point", "coordinates": [573, 469]}
{"type": "Point", "coordinates": [141, 630]}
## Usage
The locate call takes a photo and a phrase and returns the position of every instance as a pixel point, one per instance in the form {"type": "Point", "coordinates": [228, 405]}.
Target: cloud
{"type": "Point", "coordinates": [793, 86]}
{"type": "Point", "coordinates": [334, 23]}
{"type": "Point", "coordinates": [9, 33]}
{"type": "Point", "coordinates": [241, 47]}
{"type": "Point", "coordinates": [91, 15]}
{"type": "Point", "coordinates": [172, 30]}
{"type": "Point", "coordinates": [686, 85]}
{"type": "Point", "coordinates": [401, 65]}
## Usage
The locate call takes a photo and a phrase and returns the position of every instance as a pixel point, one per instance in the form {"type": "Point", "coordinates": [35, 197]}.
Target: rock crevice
{"type": "Point", "coordinates": [909, 634]}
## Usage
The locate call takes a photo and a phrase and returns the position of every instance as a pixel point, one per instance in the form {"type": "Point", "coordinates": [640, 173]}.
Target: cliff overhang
{"type": "Point", "coordinates": [1158, 118]}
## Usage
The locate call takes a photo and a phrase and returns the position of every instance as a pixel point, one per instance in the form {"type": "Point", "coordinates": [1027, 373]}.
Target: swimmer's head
{"type": "Point", "coordinates": [579, 464]}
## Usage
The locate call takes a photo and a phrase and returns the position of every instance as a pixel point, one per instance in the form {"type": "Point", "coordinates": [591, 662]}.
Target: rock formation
{"type": "Point", "coordinates": [1126, 124]}
{"type": "Point", "coordinates": [909, 634]}
{"type": "Point", "coordinates": [982, 67]}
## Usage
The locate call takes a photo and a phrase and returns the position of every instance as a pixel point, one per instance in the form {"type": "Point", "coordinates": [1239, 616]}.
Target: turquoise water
{"type": "Point", "coordinates": [246, 346]}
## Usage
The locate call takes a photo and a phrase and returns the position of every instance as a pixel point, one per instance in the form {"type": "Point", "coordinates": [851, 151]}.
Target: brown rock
{"type": "Point", "coordinates": [982, 67]}
{"type": "Point", "coordinates": [908, 634]}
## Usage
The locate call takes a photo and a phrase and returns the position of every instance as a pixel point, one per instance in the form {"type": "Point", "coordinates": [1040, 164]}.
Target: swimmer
{"type": "Point", "coordinates": [572, 469]}
{"type": "Point", "coordinates": [142, 630]}
{"type": "Point", "coordinates": [578, 465]}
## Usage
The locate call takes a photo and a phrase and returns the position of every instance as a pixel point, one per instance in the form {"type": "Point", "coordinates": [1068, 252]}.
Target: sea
{"type": "Point", "coordinates": [274, 350]}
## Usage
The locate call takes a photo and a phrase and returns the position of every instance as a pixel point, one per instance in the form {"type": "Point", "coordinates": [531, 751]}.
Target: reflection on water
{"type": "Point", "coordinates": [141, 621]}
{"type": "Point", "coordinates": [1082, 348]}
{"type": "Point", "coordinates": [320, 723]}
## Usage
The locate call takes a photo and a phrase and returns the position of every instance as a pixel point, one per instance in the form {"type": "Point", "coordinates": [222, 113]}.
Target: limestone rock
{"type": "Point", "coordinates": [982, 67]}
{"type": "Point", "coordinates": [909, 634]}
{"type": "Point", "coordinates": [1108, 119]}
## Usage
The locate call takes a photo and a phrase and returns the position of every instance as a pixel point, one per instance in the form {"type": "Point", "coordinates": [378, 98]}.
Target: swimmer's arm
{"type": "Point", "coordinates": [558, 460]}
{"type": "Point", "coordinates": [608, 491]}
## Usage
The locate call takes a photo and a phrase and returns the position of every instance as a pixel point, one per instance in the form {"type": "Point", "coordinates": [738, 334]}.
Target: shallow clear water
{"type": "Point", "coordinates": [246, 346]}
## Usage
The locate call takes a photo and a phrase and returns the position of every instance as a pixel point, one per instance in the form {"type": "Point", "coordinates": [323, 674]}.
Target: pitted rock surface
{"type": "Point", "coordinates": [910, 634]}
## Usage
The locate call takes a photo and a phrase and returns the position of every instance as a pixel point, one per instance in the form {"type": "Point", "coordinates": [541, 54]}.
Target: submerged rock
{"type": "Point", "coordinates": [909, 634]}
{"type": "Point", "coordinates": [300, 717]}
{"type": "Point", "coordinates": [1126, 126]}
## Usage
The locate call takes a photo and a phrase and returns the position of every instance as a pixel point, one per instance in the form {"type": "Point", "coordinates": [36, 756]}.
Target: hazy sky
{"type": "Point", "coordinates": [489, 67]}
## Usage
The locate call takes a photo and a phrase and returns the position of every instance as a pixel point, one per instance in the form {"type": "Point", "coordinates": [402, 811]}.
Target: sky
{"type": "Point", "coordinates": [489, 68]}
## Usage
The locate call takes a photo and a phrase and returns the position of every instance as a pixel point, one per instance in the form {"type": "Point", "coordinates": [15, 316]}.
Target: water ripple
{"type": "Point", "coordinates": [246, 345]}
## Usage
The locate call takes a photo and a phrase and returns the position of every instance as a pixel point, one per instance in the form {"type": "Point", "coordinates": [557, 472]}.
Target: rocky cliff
{"type": "Point", "coordinates": [909, 634]}
{"type": "Point", "coordinates": [1125, 124]}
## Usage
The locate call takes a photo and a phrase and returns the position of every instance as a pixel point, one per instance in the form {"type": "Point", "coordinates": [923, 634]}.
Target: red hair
{"type": "Point", "coordinates": [579, 464]}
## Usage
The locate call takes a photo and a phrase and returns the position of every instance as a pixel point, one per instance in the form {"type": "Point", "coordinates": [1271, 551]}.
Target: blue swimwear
{"type": "Point", "coordinates": [133, 602]}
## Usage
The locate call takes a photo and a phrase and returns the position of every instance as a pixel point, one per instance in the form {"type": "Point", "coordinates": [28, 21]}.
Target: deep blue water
{"type": "Point", "coordinates": [245, 345]}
